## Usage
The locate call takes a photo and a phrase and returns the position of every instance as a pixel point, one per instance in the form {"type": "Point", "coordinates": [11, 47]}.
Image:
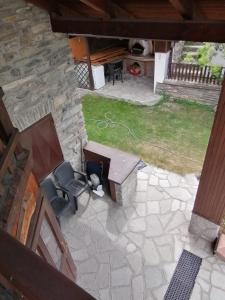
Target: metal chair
{"type": "Point", "coordinates": [115, 70]}
{"type": "Point", "coordinates": [73, 182]}
{"type": "Point", "coordinates": [59, 204]}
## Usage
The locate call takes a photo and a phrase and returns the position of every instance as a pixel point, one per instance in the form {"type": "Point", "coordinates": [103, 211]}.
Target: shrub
{"type": "Point", "coordinates": [188, 58]}
{"type": "Point", "coordinates": [216, 71]}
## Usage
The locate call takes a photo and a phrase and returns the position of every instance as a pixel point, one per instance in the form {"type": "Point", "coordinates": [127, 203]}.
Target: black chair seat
{"type": "Point", "coordinates": [76, 187]}
{"type": "Point", "coordinates": [59, 205]}
{"type": "Point", "coordinates": [115, 70]}
{"type": "Point", "coordinates": [73, 182]}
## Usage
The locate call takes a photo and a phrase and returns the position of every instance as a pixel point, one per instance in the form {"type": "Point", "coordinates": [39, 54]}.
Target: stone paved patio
{"type": "Point", "coordinates": [135, 89]}
{"type": "Point", "coordinates": [131, 252]}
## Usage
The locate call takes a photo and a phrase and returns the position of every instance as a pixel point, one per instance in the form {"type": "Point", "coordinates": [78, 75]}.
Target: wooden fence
{"type": "Point", "coordinates": [196, 73]}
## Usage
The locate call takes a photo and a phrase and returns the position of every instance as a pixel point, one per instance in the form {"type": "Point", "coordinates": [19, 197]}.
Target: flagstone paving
{"type": "Point", "coordinates": [131, 251]}
{"type": "Point", "coordinates": [128, 90]}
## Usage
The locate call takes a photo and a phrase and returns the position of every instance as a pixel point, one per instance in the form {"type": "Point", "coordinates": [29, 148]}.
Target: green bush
{"type": "Point", "coordinates": [216, 71]}
{"type": "Point", "coordinates": [205, 54]}
{"type": "Point", "coordinates": [188, 58]}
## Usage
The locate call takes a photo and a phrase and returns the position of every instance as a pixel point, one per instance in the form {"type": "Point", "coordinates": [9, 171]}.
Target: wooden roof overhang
{"type": "Point", "coordinates": [199, 20]}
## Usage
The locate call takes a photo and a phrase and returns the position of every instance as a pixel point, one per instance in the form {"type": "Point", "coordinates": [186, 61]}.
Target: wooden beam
{"type": "Point", "coordinates": [5, 121]}
{"type": "Point", "coordinates": [210, 198]}
{"type": "Point", "coordinates": [98, 5]}
{"type": "Point", "coordinates": [50, 5]}
{"type": "Point", "coordinates": [1, 92]}
{"type": "Point", "coordinates": [7, 157]}
{"type": "Point", "coordinates": [109, 8]}
{"type": "Point", "coordinates": [199, 31]}
{"type": "Point", "coordinates": [32, 276]}
{"type": "Point", "coordinates": [117, 11]}
{"type": "Point", "coordinates": [70, 10]}
{"type": "Point", "coordinates": [74, 7]}
{"type": "Point", "coordinates": [184, 7]}
{"type": "Point", "coordinates": [91, 78]}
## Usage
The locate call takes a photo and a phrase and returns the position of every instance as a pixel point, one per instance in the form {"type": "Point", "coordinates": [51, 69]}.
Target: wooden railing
{"type": "Point", "coordinates": [196, 73]}
{"type": "Point", "coordinates": [31, 276]}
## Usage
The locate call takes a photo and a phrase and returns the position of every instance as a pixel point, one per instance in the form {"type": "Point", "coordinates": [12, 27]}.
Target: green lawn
{"type": "Point", "coordinates": [172, 134]}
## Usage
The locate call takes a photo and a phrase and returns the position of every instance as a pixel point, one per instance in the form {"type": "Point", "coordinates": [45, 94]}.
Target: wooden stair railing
{"type": "Point", "coordinates": [32, 276]}
{"type": "Point", "coordinates": [15, 167]}
{"type": "Point", "coordinates": [2, 148]}
{"type": "Point", "coordinates": [8, 154]}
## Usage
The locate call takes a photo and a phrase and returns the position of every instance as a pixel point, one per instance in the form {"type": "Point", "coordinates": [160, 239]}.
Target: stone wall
{"type": "Point", "coordinates": [206, 94]}
{"type": "Point", "coordinates": [37, 75]}
{"type": "Point", "coordinates": [126, 191]}
{"type": "Point", "coordinates": [177, 51]}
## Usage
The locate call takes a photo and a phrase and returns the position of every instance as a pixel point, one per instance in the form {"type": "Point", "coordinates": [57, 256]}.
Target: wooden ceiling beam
{"type": "Point", "coordinates": [98, 5]}
{"type": "Point", "coordinates": [200, 31]}
{"type": "Point", "coordinates": [69, 7]}
{"type": "Point", "coordinates": [109, 8]}
{"type": "Point", "coordinates": [184, 7]}
{"type": "Point", "coordinates": [50, 5]}
{"type": "Point", "coordinates": [76, 7]}
{"type": "Point", "coordinates": [116, 10]}
{"type": "Point", "coordinates": [68, 11]}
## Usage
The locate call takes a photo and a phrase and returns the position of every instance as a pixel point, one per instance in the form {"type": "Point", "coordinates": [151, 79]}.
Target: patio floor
{"type": "Point", "coordinates": [135, 89]}
{"type": "Point", "coordinates": [131, 251]}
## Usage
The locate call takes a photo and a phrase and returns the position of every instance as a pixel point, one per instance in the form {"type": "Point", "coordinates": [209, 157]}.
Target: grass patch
{"type": "Point", "coordinates": [172, 134]}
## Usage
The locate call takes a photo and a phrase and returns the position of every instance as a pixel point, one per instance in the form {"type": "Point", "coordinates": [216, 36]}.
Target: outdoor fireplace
{"type": "Point", "coordinates": [140, 62]}
{"type": "Point", "coordinates": [140, 47]}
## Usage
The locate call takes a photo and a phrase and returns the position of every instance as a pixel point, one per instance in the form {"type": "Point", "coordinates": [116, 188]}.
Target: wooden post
{"type": "Point", "coordinates": [209, 207]}
{"type": "Point", "coordinates": [170, 65]}
{"type": "Point", "coordinates": [6, 127]}
{"type": "Point", "coordinates": [91, 79]}
{"type": "Point", "coordinates": [81, 53]}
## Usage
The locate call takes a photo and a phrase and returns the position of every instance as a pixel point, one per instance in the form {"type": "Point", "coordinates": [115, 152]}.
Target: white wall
{"type": "Point", "coordinates": [161, 66]}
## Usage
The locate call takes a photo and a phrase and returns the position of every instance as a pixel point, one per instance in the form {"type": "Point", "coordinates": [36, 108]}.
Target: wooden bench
{"type": "Point", "coordinates": [119, 167]}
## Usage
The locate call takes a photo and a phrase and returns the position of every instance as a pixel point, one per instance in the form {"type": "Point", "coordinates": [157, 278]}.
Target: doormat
{"type": "Point", "coordinates": [183, 279]}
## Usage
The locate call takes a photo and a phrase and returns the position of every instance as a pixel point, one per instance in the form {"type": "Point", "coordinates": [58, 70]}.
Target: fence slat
{"type": "Point", "coordinates": [189, 73]}
{"type": "Point", "coordinates": [204, 74]}
{"type": "Point", "coordinates": [200, 75]}
{"type": "Point", "coordinates": [179, 67]}
{"type": "Point", "coordinates": [195, 73]}
{"type": "Point", "coordinates": [208, 75]}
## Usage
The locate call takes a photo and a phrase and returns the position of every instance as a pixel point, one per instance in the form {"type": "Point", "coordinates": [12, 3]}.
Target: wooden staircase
{"type": "Point", "coordinates": [15, 169]}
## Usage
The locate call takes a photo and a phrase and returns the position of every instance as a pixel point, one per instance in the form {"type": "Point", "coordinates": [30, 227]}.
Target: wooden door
{"type": "Point", "coordinates": [41, 138]}
{"type": "Point", "coordinates": [49, 243]}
